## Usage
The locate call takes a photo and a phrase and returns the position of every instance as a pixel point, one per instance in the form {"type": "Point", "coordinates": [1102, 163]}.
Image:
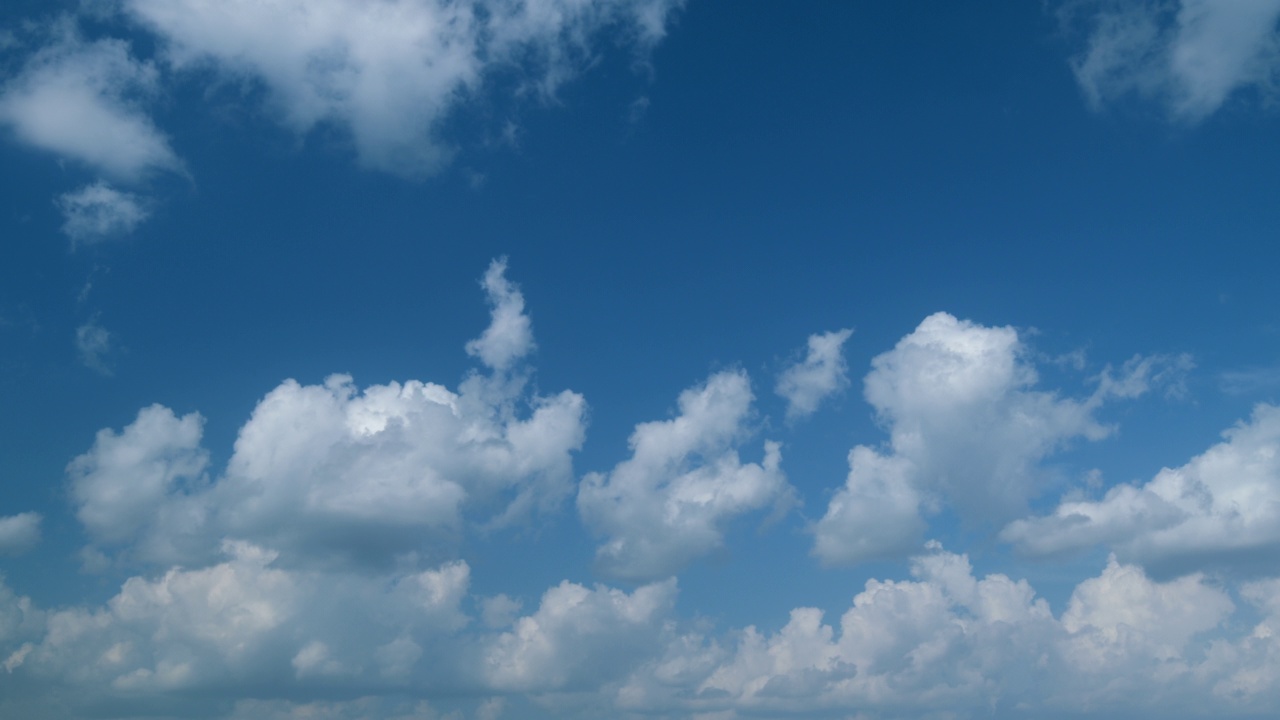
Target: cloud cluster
{"type": "Point", "coordinates": [967, 431]}
{"type": "Point", "coordinates": [1188, 55]}
{"type": "Point", "coordinates": [333, 473]}
{"type": "Point", "coordinates": [668, 504]}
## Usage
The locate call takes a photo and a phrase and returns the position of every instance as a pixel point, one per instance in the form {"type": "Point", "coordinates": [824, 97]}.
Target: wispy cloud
{"type": "Point", "coordinates": [99, 212]}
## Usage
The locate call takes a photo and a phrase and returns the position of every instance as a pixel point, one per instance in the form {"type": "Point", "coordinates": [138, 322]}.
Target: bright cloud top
{"type": "Point", "coordinates": [335, 474]}
{"type": "Point", "coordinates": [1190, 55]}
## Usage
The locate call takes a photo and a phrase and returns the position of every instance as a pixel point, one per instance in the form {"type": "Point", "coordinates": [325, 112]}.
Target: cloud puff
{"type": "Point", "coordinates": [509, 336]}
{"type": "Point", "coordinates": [334, 473]}
{"type": "Point", "coordinates": [19, 533]}
{"type": "Point", "coordinates": [822, 373]}
{"type": "Point", "coordinates": [85, 101]}
{"type": "Point", "coordinates": [93, 344]}
{"type": "Point", "coordinates": [1219, 510]}
{"type": "Point", "coordinates": [966, 429]}
{"type": "Point", "coordinates": [388, 71]}
{"type": "Point", "coordinates": [1190, 55]}
{"type": "Point", "coordinates": [668, 503]}
{"type": "Point", "coordinates": [98, 212]}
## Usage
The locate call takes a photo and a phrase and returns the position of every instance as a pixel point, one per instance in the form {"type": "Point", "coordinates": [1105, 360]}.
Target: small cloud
{"type": "Point", "coordinates": [19, 533]}
{"type": "Point", "coordinates": [99, 212]}
{"type": "Point", "coordinates": [821, 374]}
{"type": "Point", "coordinates": [94, 343]}
{"type": "Point", "coordinates": [1250, 381]}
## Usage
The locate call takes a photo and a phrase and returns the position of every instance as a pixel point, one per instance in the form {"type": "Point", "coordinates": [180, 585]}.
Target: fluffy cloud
{"type": "Point", "coordinates": [19, 533]}
{"type": "Point", "coordinates": [822, 373]}
{"type": "Point", "coordinates": [967, 428]}
{"type": "Point", "coordinates": [1190, 55]}
{"type": "Point", "coordinates": [1220, 509]}
{"type": "Point", "coordinates": [389, 71]}
{"type": "Point", "coordinates": [669, 502]}
{"type": "Point", "coordinates": [97, 212]}
{"type": "Point", "coordinates": [85, 101]}
{"type": "Point", "coordinates": [333, 473]}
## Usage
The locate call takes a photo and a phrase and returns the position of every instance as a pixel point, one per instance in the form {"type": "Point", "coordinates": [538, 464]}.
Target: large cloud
{"type": "Point", "coordinates": [1190, 55]}
{"type": "Point", "coordinates": [668, 504]}
{"type": "Point", "coordinates": [86, 101]}
{"type": "Point", "coordinates": [389, 71]}
{"type": "Point", "coordinates": [967, 430]}
{"type": "Point", "coordinates": [333, 473]}
{"type": "Point", "coordinates": [1221, 509]}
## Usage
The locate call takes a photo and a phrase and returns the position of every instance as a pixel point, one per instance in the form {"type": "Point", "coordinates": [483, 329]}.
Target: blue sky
{"type": "Point", "coordinates": [638, 358]}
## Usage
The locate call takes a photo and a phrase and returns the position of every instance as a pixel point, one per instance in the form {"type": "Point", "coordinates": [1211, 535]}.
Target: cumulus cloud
{"type": "Point", "coordinates": [335, 473]}
{"type": "Point", "coordinates": [1218, 510]}
{"type": "Point", "coordinates": [967, 429]}
{"type": "Point", "coordinates": [19, 533]}
{"type": "Point", "coordinates": [822, 373]}
{"type": "Point", "coordinates": [509, 336]}
{"type": "Point", "coordinates": [98, 212]}
{"type": "Point", "coordinates": [389, 72]}
{"type": "Point", "coordinates": [668, 504]}
{"type": "Point", "coordinates": [1189, 55]}
{"type": "Point", "coordinates": [85, 101]}
{"type": "Point", "coordinates": [947, 641]}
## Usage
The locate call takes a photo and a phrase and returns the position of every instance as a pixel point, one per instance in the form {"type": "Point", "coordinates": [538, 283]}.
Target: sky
{"type": "Point", "coordinates": [478, 359]}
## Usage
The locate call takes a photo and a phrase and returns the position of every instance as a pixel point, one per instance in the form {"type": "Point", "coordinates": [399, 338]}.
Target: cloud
{"type": "Point", "coordinates": [390, 72]}
{"type": "Point", "coordinates": [1188, 55]}
{"type": "Point", "coordinates": [967, 430]}
{"type": "Point", "coordinates": [333, 473]}
{"type": "Point", "coordinates": [822, 373]}
{"type": "Point", "coordinates": [93, 344]}
{"type": "Point", "coordinates": [85, 101]}
{"type": "Point", "coordinates": [668, 504]}
{"type": "Point", "coordinates": [19, 533]}
{"type": "Point", "coordinates": [98, 212]}
{"type": "Point", "coordinates": [509, 336]}
{"type": "Point", "coordinates": [1218, 510]}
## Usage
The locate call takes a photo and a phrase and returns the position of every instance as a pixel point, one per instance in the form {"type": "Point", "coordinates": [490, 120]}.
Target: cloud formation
{"type": "Point", "coordinates": [822, 373]}
{"type": "Point", "coordinates": [669, 503]}
{"type": "Point", "coordinates": [86, 101]}
{"type": "Point", "coordinates": [99, 212]}
{"type": "Point", "coordinates": [333, 473]}
{"type": "Point", "coordinates": [390, 72]}
{"type": "Point", "coordinates": [967, 431]}
{"type": "Point", "coordinates": [1219, 510]}
{"type": "Point", "coordinates": [1188, 55]}
{"type": "Point", "coordinates": [19, 533]}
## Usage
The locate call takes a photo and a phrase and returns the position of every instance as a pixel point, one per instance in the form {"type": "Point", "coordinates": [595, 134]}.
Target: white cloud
{"type": "Point", "coordinates": [822, 373]}
{"type": "Point", "coordinates": [19, 533]}
{"type": "Point", "coordinates": [579, 638]}
{"type": "Point", "coordinates": [1190, 55]}
{"type": "Point", "coordinates": [509, 336]}
{"type": "Point", "coordinates": [85, 101]}
{"type": "Point", "coordinates": [668, 504]}
{"type": "Point", "coordinates": [1219, 510]}
{"type": "Point", "coordinates": [97, 212]}
{"type": "Point", "coordinates": [966, 429]}
{"type": "Point", "coordinates": [332, 473]}
{"type": "Point", "coordinates": [390, 71]}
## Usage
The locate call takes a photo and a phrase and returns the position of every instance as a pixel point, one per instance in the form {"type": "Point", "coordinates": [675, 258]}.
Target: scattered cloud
{"type": "Point", "coordinates": [668, 504]}
{"type": "Point", "coordinates": [93, 344]}
{"type": "Point", "coordinates": [822, 373]}
{"type": "Point", "coordinates": [85, 101]}
{"type": "Point", "coordinates": [99, 212]}
{"type": "Point", "coordinates": [19, 533]}
{"type": "Point", "coordinates": [1219, 510]}
{"type": "Point", "coordinates": [1188, 55]}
